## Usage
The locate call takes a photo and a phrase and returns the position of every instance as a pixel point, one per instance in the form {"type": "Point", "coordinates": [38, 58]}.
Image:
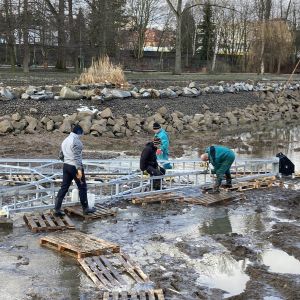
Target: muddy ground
{"type": "Point", "coordinates": [191, 252]}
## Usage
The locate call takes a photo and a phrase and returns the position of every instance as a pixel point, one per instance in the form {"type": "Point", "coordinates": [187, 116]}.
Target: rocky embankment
{"type": "Point", "coordinates": [276, 102]}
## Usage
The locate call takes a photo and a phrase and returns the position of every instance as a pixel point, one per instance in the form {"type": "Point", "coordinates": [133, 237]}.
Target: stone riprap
{"type": "Point", "coordinates": [274, 106]}
{"type": "Point", "coordinates": [106, 92]}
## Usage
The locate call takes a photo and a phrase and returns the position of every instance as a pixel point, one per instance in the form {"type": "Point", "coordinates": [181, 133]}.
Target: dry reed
{"type": "Point", "coordinates": [101, 71]}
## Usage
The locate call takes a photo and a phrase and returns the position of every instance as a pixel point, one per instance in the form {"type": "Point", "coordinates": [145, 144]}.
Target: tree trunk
{"type": "Point", "coordinates": [178, 69]}
{"type": "Point", "coordinates": [61, 51]}
{"type": "Point", "coordinates": [26, 58]}
{"type": "Point", "coordinates": [262, 51]}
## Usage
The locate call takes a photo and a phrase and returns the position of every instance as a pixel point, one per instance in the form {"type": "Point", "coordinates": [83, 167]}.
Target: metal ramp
{"type": "Point", "coordinates": [109, 180]}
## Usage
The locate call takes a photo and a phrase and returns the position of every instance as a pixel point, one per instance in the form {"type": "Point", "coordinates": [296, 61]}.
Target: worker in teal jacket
{"type": "Point", "coordinates": [163, 152]}
{"type": "Point", "coordinates": [221, 158]}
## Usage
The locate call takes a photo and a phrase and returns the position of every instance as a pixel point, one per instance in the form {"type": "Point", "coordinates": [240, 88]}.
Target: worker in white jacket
{"type": "Point", "coordinates": [71, 154]}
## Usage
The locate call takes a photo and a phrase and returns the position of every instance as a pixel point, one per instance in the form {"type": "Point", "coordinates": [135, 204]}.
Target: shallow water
{"type": "Point", "coordinates": [279, 261]}
{"type": "Point", "coordinates": [154, 236]}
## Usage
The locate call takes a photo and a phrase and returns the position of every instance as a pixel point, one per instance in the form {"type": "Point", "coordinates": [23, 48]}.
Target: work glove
{"type": "Point", "coordinates": [159, 152]}
{"type": "Point", "coordinates": [79, 174]}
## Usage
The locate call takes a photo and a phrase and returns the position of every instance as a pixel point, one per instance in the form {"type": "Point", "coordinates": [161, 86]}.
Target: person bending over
{"type": "Point", "coordinates": [148, 162]}
{"type": "Point", "coordinates": [221, 158]}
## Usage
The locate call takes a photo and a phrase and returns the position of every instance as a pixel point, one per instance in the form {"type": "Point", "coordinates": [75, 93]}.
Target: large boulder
{"type": "Point", "coordinates": [67, 93]}
{"type": "Point", "coordinates": [32, 124]}
{"type": "Point", "coordinates": [66, 126]}
{"type": "Point", "coordinates": [86, 125]}
{"type": "Point", "coordinates": [19, 125]}
{"type": "Point", "coordinates": [16, 117]}
{"type": "Point", "coordinates": [50, 125]}
{"type": "Point", "coordinates": [6, 94]}
{"type": "Point", "coordinates": [6, 126]}
{"type": "Point", "coordinates": [99, 128]}
{"type": "Point", "coordinates": [120, 94]}
{"type": "Point", "coordinates": [106, 113]}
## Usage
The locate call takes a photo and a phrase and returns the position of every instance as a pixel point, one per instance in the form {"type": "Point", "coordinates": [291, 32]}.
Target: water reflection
{"type": "Point", "coordinates": [215, 226]}
{"type": "Point", "coordinates": [280, 262]}
{"type": "Point", "coordinates": [267, 141]}
{"type": "Point", "coordinates": [241, 223]}
{"type": "Point", "coordinates": [223, 272]}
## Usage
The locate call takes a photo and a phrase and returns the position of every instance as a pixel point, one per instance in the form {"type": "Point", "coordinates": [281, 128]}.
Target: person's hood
{"type": "Point", "coordinates": [150, 144]}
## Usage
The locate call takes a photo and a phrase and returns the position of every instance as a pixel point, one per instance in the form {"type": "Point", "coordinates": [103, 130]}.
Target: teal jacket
{"type": "Point", "coordinates": [162, 134]}
{"type": "Point", "coordinates": [222, 159]}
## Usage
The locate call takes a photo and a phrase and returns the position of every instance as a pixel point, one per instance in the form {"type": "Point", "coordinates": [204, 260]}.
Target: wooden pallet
{"type": "Point", "coordinates": [47, 221]}
{"type": "Point", "coordinates": [210, 199]}
{"type": "Point", "coordinates": [132, 295]}
{"type": "Point", "coordinates": [113, 271]}
{"type": "Point", "coordinates": [78, 244]}
{"type": "Point", "coordinates": [23, 178]}
{"type": "Point", "coordinates": [160, 198]}
{"type": "Point", "coordinates": [101, 212]}
{"type": "Point", "coordinates": [243, 186]}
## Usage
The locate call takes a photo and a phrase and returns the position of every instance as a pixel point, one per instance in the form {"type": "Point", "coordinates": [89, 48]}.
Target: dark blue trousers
{"type": "Point", "coordinates": [69, 173]}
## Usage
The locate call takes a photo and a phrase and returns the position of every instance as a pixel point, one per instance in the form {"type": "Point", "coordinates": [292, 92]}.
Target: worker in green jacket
{"type": "Point", "coordinates": [162, 153]}
{"type": "Point", "coordinates": [221, 158]}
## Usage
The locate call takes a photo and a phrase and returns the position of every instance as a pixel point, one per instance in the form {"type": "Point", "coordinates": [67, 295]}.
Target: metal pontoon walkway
{"type": "Point", "coordinates": [36, 181]}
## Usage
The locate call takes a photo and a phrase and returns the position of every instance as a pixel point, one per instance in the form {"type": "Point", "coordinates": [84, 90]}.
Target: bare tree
{"type": "Point", "coordinates": [61, 37]}
{"type": "Point", "coordinates": [142, 13]}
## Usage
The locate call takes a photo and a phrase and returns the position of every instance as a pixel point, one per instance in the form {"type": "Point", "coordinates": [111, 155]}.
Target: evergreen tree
{"type": "Point", "coordinates": [106, 19]}
{"type": "Point", "coordinates": [207, 33]}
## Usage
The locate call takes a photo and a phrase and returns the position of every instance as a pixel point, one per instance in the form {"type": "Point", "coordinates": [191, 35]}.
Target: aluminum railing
{"type": "Point", "coordinates": [127, 181]}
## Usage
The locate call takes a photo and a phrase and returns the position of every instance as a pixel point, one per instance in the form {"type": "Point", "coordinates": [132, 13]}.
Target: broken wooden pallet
{"type": "Point", "coordinates": [101, 212]}
{"type": "Point", "coordinates": [112, 271]}
{"type": "Point", "coordinates": [47, 221]}
{"type": "Point", "coordinates": [162, 198]}
{"type": "Point", "coordinates": [210, 199]}
{"type": "Point", "coordinates": [133, 295]}
{"type": "Point", "coordinates": [78, 244]}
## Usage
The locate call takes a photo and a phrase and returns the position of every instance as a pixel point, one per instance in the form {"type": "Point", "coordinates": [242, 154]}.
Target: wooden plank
{"type": "Point", "coordinates": [67, 221]}
{"type": "Point", "coordinates": [135, 272]}
{"type": "Point", "coordinates": [99, 271]}
{"type": "Point", "coordinates": [49, 221]}
{"type": "Point", "coordinates": [113, 270]}
{"type": "Point", "coordinates": [159, 294]}
{"type": "Point", "coordinates": [30, 223]}
{"type": "Point", "coordinates": [59, 222]}
{"type": "Point", "coordinates": [151, 295]}
{"type": "Point", "coordinates": [41, 221]}
{"type": "Point", "coordinates": [106, 296]}
{"type": "Point", "coordinates": [105, 271]}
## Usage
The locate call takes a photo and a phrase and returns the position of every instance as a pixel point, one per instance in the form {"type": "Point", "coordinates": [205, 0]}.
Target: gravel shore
{"type": "Point", "coordinates": [189, 106]}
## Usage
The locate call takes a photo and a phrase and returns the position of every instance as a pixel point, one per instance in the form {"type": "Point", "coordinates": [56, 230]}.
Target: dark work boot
{"type": "Point", "coordinates": [228, 181]}
{"type": "Point", "coordinates": [59, 213]}
{"type": "Point", "coordinates": [88, 210]}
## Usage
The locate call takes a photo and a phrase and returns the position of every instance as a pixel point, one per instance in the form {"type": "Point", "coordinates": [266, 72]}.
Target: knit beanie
{"type": "Point", "coordinates": [77, 129]}
{"type": "Point", "coordinates": [156, 125]}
